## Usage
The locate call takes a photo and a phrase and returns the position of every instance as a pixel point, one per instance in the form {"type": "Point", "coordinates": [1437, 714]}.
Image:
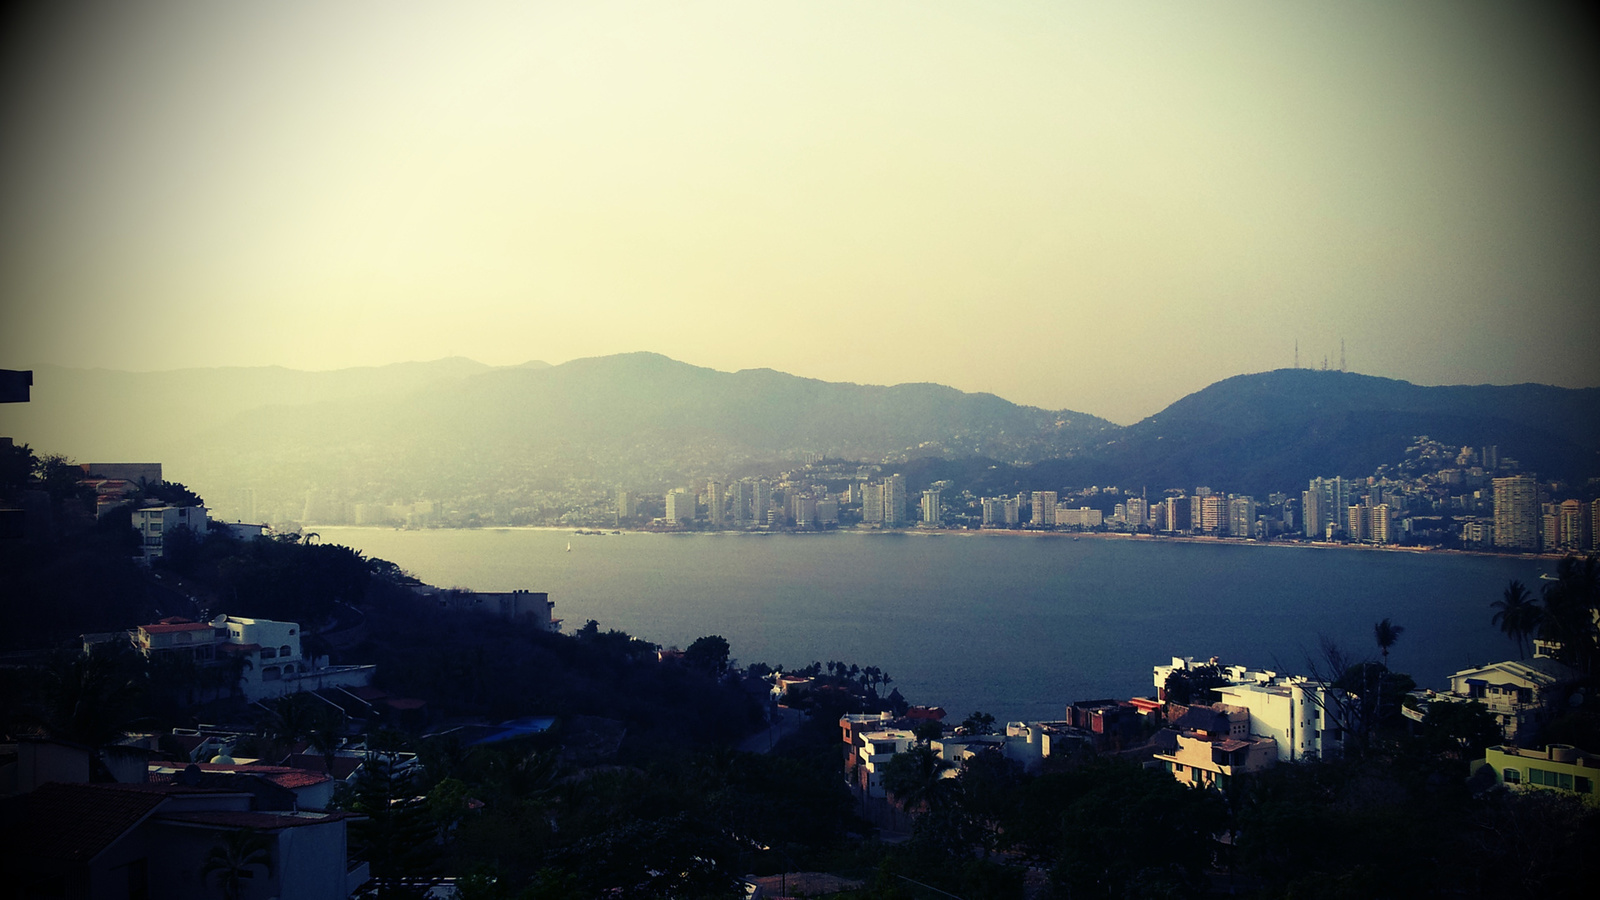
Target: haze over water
{"type": "Point", "coordinates": [1017, 626]}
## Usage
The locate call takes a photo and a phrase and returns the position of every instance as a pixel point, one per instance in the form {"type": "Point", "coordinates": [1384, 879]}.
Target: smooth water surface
{"type": "Point", "coordinates": [1015, 625]}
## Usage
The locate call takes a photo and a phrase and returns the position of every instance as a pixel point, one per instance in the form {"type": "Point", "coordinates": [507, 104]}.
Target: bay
{"type": "Point", "coordinates": [1015, 625]}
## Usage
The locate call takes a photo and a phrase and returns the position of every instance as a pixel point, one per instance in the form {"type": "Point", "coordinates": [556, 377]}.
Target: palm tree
{"type": "Point", "coordinates": [1517, 614]}
{"type": "Point", "coordinates": [232, 860]}
{"type": "Point", "coordinates": [1386, 633]}
{"type": "Point", "coordinates": [916, 779]}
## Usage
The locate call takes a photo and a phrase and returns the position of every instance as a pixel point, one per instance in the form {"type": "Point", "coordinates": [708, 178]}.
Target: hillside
{"type": "Point", "coordinates": [1274, 430]}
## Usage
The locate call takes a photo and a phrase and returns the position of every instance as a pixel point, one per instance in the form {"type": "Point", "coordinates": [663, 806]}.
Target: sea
{"type": "Point", "coordinates": [1015, 625]}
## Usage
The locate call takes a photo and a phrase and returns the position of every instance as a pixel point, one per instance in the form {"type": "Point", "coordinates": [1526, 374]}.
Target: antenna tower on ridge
{"type": "Point", "coordinates": [1341, 354]}
{"type": "Point", "coordinates": [1297, 353]}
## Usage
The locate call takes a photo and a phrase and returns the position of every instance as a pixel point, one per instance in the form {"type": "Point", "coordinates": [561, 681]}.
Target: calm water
{"type": "Point", "coordinates": [1013, 625]}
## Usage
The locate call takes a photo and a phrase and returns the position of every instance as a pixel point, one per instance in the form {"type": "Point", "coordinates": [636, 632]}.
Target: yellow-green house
{"type": "Point", "coordinates": [1559, 766]}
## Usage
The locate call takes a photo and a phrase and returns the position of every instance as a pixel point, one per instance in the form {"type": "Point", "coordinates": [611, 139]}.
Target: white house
{"type": "Point", "coordinates": [273, 664]}
{"type": "Point", "coordinates": [1522, 694]}
{"type": "Point", "coordinates": [154, 523]}
{"type": "Point", "coordinates": [877, 748]}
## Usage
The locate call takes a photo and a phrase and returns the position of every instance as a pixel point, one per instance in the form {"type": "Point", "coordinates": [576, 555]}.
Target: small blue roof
{"type": "Point", "coordinates": [517, 728]}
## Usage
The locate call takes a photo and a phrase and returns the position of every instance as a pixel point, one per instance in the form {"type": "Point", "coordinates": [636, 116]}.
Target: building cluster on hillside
{"type": "Point", "coordinates": [1259, 720]}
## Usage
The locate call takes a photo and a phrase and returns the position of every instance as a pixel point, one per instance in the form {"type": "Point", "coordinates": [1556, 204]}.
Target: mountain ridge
{"type": "Point", "coordinates": [455, 427]}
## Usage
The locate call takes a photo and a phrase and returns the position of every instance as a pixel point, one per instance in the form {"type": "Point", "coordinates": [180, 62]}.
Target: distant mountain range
{"type": "Point", "coordinates": [523, 436]}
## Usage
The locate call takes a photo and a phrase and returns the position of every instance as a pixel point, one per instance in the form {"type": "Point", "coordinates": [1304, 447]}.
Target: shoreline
{"type": "Point", "coordinates": [990, 532]}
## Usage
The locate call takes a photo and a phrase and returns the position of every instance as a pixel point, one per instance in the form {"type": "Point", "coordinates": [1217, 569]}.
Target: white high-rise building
{"type": "Point", "coordinates": [680, 506]}
{"type": "Point", "coordinates": [894, 500]}
{"type": "Point", "coordinates": [1044, 509]}
{"type": "Point", "coordinates": [1242, 517]}
{"type": "Point", "coordinates": [761, 501]}
{"type": "Point", "coordinates": [872, 504]}
{"type": "Point", "coordinates": [932, 513]}
{"type": "Point", "coordinates": [714, 502]}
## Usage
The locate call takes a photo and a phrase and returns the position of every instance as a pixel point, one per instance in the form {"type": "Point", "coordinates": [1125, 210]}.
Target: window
{"type": "Point", "coordinates": [1511, 776]}
{"type": "Point", "coordinates": [1583, 785]}
{"type": "Point", "coordinates": [284, 650]}
{"type": "Point", "coordinates": [271, 673]}
{"type": "Point", "coordinates": [268, 653]}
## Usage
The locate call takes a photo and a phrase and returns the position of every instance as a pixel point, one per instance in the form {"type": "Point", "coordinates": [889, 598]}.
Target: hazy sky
{"type": "Point", "coordinates": [1100, 207]}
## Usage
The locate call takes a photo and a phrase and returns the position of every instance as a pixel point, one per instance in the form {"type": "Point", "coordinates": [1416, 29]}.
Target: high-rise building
{"type": "Point", "coordinates": [1177, 514]}
{"type": "Point", "coordinates": [1044, 509]}
{"type": "Point", "coordinates": [1313, 519]}
{"type": "Point", "coordinates": [993, 511]}
{"type": "Point", "coordinates": [1594, 524]}
{"type": "Point", "coordinates": [828, 512]}
{"type": "Point", "coordinates": [805, 510]}
{"type": "Point", "coordinates": [761, 501]}
{"type": "Point", "coordinates": [1242, 517]}
{"type": "Point", "coordinates": [1381, 524]}
{"type": "Point", "coordinates": [1516, 512]}
{"type": "Point", "coordinates": [932, 514]}
{"type": "Point", "coordinates": [742, 494]}
{"type": "Point", "coordinates": [1355, 524]}
{"type": "Point", "coordinates": [1213, 514]}
{"type": "Point", "coordinates": [680, 506]}
{"type": "Point", "coordinates": [714, 502]}
{"type": "Point", "coordinates": [1491, 458]}
{"type": "Point", "coordinates": [872, 504]}
{"type": "Point", "coordinates": [1138, 512]}
{"type": "Point", "coordinates": [624, 506]}
{"type": "Point", "coordinates": [894, 501]}
{"type": "Point", "coordinates": [1574, 526]}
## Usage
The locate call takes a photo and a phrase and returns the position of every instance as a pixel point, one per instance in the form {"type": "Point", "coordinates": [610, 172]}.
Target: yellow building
{"type": "Point", "coordinates": [1559, 766]}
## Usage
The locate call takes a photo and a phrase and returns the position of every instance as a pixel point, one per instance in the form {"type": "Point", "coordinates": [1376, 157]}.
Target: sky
{"type": "Point", "coordinates": [1098, 207]}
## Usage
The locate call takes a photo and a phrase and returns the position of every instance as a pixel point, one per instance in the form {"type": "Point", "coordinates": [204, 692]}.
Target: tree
{"type": "Point", "coordinates": [397, 833]}
{"type": "Point", "coordinates": [1386, 633]}
{"type": "Point", "coordinates": [1570, 605]}
{"type": "Point", "coordinates": [89, 697]}
{"type": "Point", "coordinates": [1194, 685]}
{"type": "Point", "coordinates": [929, 730]}
{"type": "Point", "coordinates": [978, 723]}
{"type": "Point", "coordinates": [916, 779]}
{"type": "Point", "coordinates": [232, 860]}
{"type": "Point", "coordinates": [1517, 614]}
{"type": "Point", "coordinates": [302, 716]}
{"type": "Point", "coordinates": [708, 654]}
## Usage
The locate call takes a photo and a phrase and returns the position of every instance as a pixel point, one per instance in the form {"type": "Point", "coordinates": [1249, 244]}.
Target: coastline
{"type": "Point", "coordinates": [988, 532]}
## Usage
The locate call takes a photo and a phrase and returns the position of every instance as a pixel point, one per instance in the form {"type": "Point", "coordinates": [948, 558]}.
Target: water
{"type": "Point", "coordinates": [1014, 625]}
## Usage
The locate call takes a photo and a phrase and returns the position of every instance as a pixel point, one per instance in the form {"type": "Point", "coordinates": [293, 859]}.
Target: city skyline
{"type": "Point", "coordinates": [1072, 207]}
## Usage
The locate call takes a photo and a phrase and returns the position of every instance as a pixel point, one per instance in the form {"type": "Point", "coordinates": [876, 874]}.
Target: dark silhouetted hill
{"type": "Point", "coordinates": [1274, 430]}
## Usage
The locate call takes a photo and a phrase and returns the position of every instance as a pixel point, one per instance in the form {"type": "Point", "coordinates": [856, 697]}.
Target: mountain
{"type": "Point", "coordinates": [524, 443]}
{"type": "Point", "coordinates": [1274, 430]}
{"type": "Point", "coordinates": [102, 414]}
{"type": "Point", "coordinates": [526, 437]}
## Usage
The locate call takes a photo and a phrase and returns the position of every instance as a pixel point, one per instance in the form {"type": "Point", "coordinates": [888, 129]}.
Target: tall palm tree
{"type": "Point", "coordinates": [232, 861]}
{"type": "Point", "coordinates": [1386, 633]}
{"type": "Point", "coordinates": [1517, 614]}
{"type": "Point", "coordinates": [1572, 611]}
